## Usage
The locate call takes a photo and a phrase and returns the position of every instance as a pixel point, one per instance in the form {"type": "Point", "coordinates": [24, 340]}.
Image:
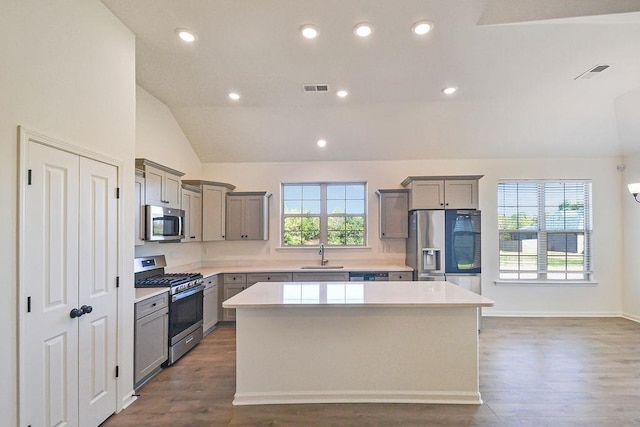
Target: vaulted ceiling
{"type": "Point", "coordinates": [515, 63]}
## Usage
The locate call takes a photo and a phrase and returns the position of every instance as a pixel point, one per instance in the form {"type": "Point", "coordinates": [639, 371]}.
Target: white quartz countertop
{"type": "Point", "coordinates": [144, 293]}
{"type": "Point", "coordinates": [356, 294]}
{"type": "Point", "coordinates": [298, 268]}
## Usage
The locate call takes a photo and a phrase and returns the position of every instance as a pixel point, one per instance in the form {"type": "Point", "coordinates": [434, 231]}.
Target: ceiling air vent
{"type": "Point", "coordinates": [316, 88]}
{"type": "Point", "coordinates": [592, 72]}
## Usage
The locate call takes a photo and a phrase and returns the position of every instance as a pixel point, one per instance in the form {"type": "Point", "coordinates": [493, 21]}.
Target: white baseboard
{"type": "Point", "coordinates": [632, 317]}
{"type": "Point", "coordinates": [551, 314]}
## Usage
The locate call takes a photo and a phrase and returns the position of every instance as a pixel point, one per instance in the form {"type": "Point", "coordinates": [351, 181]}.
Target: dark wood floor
{"type": "Point", "coordinates": [533, 372]}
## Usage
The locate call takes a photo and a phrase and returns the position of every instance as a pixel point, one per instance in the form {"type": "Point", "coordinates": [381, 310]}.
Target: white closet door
{"type": "Point", "coordinates": [51, 281]}
{"type": "Point", "coordinates": [98, 270]}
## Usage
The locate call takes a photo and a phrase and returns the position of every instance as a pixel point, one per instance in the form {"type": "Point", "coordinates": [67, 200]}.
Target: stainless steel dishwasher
{"type": "Point", "coordinates": [364, 276]}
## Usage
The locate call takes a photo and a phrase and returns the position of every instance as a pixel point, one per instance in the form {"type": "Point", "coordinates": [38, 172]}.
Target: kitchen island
{"type": "Point", "coordinates": [330, 342]}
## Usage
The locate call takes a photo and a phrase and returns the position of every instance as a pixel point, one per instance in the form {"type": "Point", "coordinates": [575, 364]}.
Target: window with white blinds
{"type": "Point", "coordinates": [544, 230]}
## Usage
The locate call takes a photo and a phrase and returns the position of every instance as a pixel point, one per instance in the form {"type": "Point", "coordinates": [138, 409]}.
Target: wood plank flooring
{"type": "Point", "coordinates": [533, 372]}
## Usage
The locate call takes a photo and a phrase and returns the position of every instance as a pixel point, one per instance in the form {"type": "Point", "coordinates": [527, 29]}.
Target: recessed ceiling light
{"type": "Point", "coordinates": [234, 96]}
{"type": "Point", "coordinates": [309, 31]}
{"type": "Point", "coordinates": [186, 35]}
{"type": "Point", "coordinates": [322, 143]}
{"type": "Point", "coordinates": [422, 27]}
{"type": "Point", "coordinates": [342, 93]}
{"type": "Point", "coordinates": [363, 29]}
{"type": "Point", "coordinates": [449, 90]}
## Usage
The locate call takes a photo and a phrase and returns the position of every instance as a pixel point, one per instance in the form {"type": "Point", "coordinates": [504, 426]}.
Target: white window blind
{"type": "Point", "coordinates": [545, 230]}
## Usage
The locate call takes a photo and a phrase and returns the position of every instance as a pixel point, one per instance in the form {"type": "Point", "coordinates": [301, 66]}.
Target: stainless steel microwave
{"type": "Point", "coordinates": [163, 223]}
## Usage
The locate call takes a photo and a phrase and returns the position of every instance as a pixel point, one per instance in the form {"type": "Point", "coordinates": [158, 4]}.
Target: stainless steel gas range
{"type": "Point", "coordinates": [185, 302]}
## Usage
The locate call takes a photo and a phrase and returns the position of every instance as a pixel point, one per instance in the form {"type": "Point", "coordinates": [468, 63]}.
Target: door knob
{"type": "Point", "coordinates": [76, 312]}
{"type": "Point", "coordinates": [86, 309]}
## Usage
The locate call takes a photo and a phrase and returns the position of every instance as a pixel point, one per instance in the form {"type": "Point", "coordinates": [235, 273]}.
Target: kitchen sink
{"type": "Point", "coordinates": [321, 267]}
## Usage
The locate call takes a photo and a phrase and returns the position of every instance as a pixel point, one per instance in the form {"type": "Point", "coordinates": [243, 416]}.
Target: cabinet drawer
{"type": "Point", "coordinates": [268, 277]}
{"type": "Point", "coordinates": [235, 278]}
{"type": "Point", "coordinates": [152, 304]}
{"type": "Point", "coordinates": [210, 281]}
{"type": "Point", "coordinates": [321, 277]}
{"type": "Point", "coordinates": [396, 276]}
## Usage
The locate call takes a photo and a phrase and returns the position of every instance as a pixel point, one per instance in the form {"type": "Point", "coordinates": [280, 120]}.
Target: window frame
{"type": "Point", "coordinates": [542, 271]}
{"type": "Point", "coordinates": [323, 215]}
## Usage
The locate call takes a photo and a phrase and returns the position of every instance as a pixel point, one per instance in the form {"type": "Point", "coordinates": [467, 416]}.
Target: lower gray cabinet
{"type": "Point", "coordinates": [210, 304]}
{"type": "Point", "coordinates": [151, 347]}
{"type": "Point", "coordinates": [229, 314]}
{"type": "Point", "coordinates": [233, 283]}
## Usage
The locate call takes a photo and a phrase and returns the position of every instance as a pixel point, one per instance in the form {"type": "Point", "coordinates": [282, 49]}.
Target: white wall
{"type": "Point", "coordinates": [68, 71]}
{"type": "Point", "coordinates": [159, 138]}
{"type": "Point", "coordinates": [600, 299]}
{"type": "Point", "coordinates": [631, 241]}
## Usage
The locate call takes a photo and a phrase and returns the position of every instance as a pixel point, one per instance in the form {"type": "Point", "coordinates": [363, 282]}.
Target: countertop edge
{"type": "Point", "coordinates": [369, 305]}
{"type": "Point", "coordinates": [146, 293]}
{"type": "Point", "coordinates": [210, 271]}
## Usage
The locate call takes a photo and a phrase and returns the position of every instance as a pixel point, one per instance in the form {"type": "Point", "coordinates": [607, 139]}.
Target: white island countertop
{"type": "Point", "coordinates": [356, 294]}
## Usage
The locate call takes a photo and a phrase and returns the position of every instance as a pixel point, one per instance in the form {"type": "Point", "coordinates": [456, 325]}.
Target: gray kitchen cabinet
{"type": "Point", "coordinates": [398, 276]}
{"type": "Point", "coordinates": [393, 214]}
{"type": "Point", "coordinates": [233, 283]}
{"type": "Point", "coordinates": [214, 196]}
{"type": "Point", "coordinates": [139, 219]}
{"type": "Point", "coordinates": [192, 207]}
{"type": "Point", "coordinates": [162, 184]}
{"type": "Point", "coordinates": [247, 216]}
{"type": "Point", "coordinates": [151, 337]}
{"type": "Point", "coordinates": [210, 304]}
{"type": "Point", "coordinates": [321, 276]}
{"type": "Point", "coordinates": [443, 192]}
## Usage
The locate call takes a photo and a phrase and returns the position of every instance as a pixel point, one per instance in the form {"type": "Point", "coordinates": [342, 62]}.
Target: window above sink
{"type": "Point", "coordinates": [318, 212]}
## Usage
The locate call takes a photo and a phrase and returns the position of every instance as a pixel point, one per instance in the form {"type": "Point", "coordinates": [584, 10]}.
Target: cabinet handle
{"type": "Point", "coordinates": [441, 204]}
{"type": "Point", "coordinates": [193, 237]}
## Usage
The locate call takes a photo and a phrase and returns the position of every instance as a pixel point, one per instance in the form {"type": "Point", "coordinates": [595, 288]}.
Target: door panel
{"type": "Point", "coordinates": [97, 271]}
{"type": "Point", "coordinates": [253, 218]}
{"type": "Point", "coordinates": [56, 382]}
{"type": "Point", "coordinates": [213, 213]}
{"type": "Point", "coordinates": [234, 218]}
{"type": "Point", "coordinates": [50, 358]}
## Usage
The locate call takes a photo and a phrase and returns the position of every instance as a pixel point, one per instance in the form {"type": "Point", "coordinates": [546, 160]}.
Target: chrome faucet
{"type": "Point", "coordinates": [321, 252]}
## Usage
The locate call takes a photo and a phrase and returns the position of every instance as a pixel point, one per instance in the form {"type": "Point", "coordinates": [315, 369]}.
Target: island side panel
{"type": "Point", "coordinates": [360, 354]}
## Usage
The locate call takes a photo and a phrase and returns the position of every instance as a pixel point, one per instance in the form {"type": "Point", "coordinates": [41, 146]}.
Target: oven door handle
{"type": "Point", "coordinates": [187, 293]}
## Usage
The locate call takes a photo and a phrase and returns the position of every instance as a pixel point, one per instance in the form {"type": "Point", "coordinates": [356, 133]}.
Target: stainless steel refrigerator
{"type": "Point", "coordinates": [445, 245]}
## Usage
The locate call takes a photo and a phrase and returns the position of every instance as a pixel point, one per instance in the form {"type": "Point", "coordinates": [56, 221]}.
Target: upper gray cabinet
{"type": "Point", "coordinates": [192, 207]}
{"type": "Point", "coordinates": [393, 214]}
{"type": "Point", "coordinates": [247, 216]}
{"type": "Point", "coordinates": [162, 184]}
{"type": "Point", "coordinates": [443, 192]}
{"type": "Point", "coordinates": [214, 196]}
